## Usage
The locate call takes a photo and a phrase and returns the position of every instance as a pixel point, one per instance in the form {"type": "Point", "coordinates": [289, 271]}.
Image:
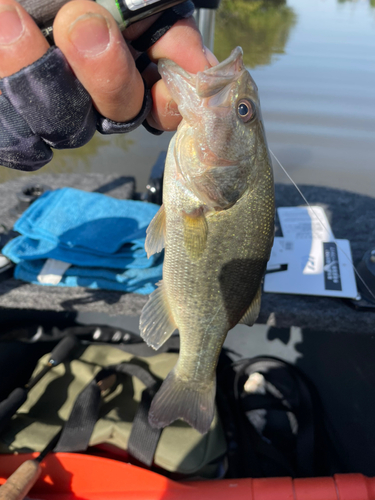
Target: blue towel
{"type": "Point", "coordinates": [88, 230]}
{"type": "Point", "coordinates": [131, 280]}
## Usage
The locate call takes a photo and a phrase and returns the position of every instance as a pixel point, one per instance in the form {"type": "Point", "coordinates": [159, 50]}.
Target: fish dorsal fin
{"type": "Point", "coordinates": [195, 234]}
{"type": "Point", "coordinates": [156, 323]}
{"type": "Point", "coordinates": [155, 239]}
{"type": "Point", "coordinates": [252, 313]}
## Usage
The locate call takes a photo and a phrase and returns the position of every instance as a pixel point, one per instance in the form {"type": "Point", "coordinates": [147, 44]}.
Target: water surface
{"type": "Point", "coordinates": [314, 63]}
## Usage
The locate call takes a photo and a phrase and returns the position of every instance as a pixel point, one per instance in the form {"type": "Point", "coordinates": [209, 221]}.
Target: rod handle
{"type": "Point", "coordinates": [63, 349]}
{"type": "Point", "coordinates": [10, 405]}
{"type": "Point", "coordinates": [21, 481]}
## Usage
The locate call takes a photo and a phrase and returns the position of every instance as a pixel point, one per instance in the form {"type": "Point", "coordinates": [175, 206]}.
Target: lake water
{"type": "Point", "coordinates": [314, 63]}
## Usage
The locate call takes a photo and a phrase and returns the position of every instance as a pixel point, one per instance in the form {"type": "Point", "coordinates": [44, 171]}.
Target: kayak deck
{"type": "Point", "coordinates": [68, 476]}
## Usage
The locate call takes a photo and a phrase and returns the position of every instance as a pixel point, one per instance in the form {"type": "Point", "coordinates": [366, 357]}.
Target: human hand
{"type": "Point", "coordinates": [95, 49]}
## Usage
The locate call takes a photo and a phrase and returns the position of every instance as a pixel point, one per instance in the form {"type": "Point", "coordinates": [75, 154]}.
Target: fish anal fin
{"type": "Point", "coordinates": [186, 400]}
{"type": "Point", "coordinates": [156, 323]}
{"type": "Point", "coordinates": [252, 313]}
{"type": "Point", "coordinates": [155, 239]}
{"type": "Point", "coordinates": [195, 234]}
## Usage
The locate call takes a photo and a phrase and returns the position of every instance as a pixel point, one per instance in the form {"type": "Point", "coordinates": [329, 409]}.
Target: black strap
{"type": "Point", "coordinates": [106, 126]}
{"type": "Point", "coordinates": [77, 431]}
{"type": "Point", "coordinates": [152, 130]}
{"type": "Point", "coordinates": [141, 64]}
{"type": "Point", "coordinates": [260, 401]}
{"type": "Point", "coordinates": [143, 438]}
{"type": "Point", "coordinates": [135, 370]}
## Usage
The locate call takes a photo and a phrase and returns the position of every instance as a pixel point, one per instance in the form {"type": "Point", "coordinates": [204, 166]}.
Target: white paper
{"type": "Point", "coordinates": [52, 272]}
{"type": "Point", "coordinates": [305, 223]}
{"type": "Point", "coordinates": [311, 267]}
{"type": "Point", "coordinates": [281, 253]}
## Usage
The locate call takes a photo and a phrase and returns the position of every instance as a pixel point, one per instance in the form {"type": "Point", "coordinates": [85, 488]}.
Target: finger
{"type": "Point", "coordinates": [164, 114]}
{"type": "Point", "coordinates": [21, 42]}
{"type": "Point", "coordinates": [182, 44]}
{"type": "Point", "coordinates": [91, 41]}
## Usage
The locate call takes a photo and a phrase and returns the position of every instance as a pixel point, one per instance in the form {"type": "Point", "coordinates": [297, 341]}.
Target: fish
{"type": "Point", "coordinates": [216, 226]}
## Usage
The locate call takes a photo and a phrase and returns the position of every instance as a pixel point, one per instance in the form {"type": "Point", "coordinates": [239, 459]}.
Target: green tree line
{"type": "Point", "coordinates": [260, 27]}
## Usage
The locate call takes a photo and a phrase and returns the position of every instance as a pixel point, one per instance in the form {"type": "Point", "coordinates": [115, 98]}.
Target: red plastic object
{"type": "Point", "coordinates": [83, 477]}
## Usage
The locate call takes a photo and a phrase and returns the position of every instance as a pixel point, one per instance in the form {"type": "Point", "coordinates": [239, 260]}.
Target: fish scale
{"type": "Point", "coordinates": [216, 224]}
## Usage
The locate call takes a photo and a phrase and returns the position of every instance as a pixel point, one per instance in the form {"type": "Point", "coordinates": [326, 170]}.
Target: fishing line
{"type": "Point", "coordinates": [323, 225]}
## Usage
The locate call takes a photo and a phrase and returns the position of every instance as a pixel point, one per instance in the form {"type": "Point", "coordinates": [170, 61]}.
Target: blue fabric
{"type": "Point", "coordinates": [102, 237]}
{"type": "Point", "coordinates": [131, 280]}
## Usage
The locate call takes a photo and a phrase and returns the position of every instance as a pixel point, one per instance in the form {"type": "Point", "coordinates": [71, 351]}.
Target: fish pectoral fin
{"type": "Point", "coordinates": [156, 323]}
{"type": "Point", "coordinates": [252, 313]}
{"type": "Point", "coordinates": [155, 239]}
{"type": "Point", "coordinates": [195, 234]}
{"type": "Point", "coordinates": [183, 399]}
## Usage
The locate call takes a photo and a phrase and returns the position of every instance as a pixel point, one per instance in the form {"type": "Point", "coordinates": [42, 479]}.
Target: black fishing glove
{"type": "Point", "coordinates": [44, 105]}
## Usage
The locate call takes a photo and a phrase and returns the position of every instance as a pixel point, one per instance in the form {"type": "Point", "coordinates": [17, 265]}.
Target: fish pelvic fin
{"type": "Point", "coordinates": [195, 234]}
{"type": "Point", "coordinates": [156, 323]}
{"type": "Point", "coordinates": [252, 313]}
{"type": "Point", "coordinates": [155, 239]}
{"type": "Point", "coordinates": [186, 400]}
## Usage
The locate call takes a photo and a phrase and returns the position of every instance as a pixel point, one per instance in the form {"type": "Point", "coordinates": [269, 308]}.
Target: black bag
{"type": "Point", "coordinates": [273, 420]}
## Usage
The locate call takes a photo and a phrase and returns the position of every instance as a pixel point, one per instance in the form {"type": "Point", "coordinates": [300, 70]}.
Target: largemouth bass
{"type": "Point", "coordinates": [216, 224]}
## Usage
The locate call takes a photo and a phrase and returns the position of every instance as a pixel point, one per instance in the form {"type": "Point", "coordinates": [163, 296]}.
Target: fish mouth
{"type": "Point", "coordinates": [215, 79]}
{"type": "Point", "coordinates": [188, 89]}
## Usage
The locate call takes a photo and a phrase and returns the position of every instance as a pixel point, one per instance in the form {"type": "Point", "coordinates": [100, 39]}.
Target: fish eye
{"type": "Point", "coordinates": [246, 110]}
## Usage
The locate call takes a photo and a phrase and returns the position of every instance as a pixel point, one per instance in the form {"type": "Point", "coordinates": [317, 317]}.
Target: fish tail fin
{"type": "Point", "coordinates": [191, 402]}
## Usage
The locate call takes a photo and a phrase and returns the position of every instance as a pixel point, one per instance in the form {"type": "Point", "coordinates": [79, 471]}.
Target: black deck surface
{"type": "Point", "coordinates": [352, 217]}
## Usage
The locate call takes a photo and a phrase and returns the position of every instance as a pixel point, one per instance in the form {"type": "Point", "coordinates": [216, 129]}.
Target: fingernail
{"type": "Point", "coordinates": [90, 34]}
{"type": "Point", "coordinates": [211, 58]}
{"type": "Point", "coordinates": [172, 108]}
{"type": "Point", "coordinates": [11, 27]}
